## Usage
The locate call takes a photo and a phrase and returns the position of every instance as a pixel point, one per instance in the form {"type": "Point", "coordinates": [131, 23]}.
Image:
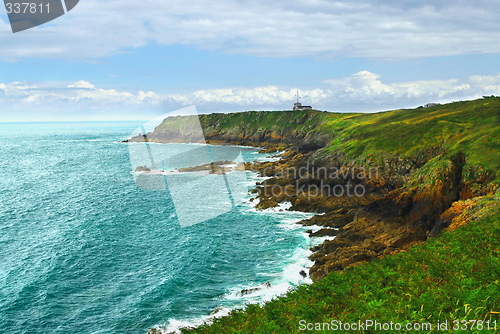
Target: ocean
{"type": "Point", "coordinates": [84, 250]}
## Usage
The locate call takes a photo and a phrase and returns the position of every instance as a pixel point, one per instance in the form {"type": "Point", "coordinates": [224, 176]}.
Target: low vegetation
{"type": "Point", "coordinates": [453, 277]}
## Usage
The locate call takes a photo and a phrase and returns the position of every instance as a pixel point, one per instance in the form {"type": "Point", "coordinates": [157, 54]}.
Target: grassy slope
{"type": "Point", "coordinates": [455, 276]}
{"type": "Point", "coordinates": [251, 121]}
{"type": "Point", "coordinates": [303, 120]}
{"type": "Point", "coordinates": [470, 127]}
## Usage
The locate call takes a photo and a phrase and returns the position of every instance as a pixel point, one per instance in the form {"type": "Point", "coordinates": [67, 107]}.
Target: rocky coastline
{"type": "Point", "coordinates": [397, 209]}
{"type": "Point", "coordinates": [373, 205]}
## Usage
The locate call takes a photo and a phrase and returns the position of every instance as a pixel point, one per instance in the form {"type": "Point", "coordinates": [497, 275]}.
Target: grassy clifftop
{"type": "Point", "coordinates": [253, 121]}
{"type": "Point", "coordinates": [469, 127]}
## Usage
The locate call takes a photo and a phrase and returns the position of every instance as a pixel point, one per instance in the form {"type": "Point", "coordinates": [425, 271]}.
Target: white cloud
{"type": "Point", "coordinates": [387, 29]}
{"type": "Point", "coordinates": [362, 91]}
{"type": "Point", "coordinates": [82, 84]}
{"type": "Point", "coordinates": [365, 87]}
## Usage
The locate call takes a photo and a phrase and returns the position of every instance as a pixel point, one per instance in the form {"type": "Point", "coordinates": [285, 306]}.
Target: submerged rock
{"type": "Point", "coordinates": [217, 167]}
{"type": "Point", "coordinates": [142, 169]}
{"type": "Point", "coordinates": [216, 310]}
{"type": "Point", "coordinates": [245, 292]}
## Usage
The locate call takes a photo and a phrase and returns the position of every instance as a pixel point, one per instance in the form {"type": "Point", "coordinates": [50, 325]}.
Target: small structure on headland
{"type": "Point", "coordinates": [298, 106]}
{"type": "Point", "coordinates": [428, 105]}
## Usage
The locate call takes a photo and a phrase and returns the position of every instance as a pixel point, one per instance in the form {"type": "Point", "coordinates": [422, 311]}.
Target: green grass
{"type": "Point", "coordinates": [279, 121]}
{"type": "Point", "coordinates": [468, 127]}
{"type": "Point", "coordinates": [453, 277]}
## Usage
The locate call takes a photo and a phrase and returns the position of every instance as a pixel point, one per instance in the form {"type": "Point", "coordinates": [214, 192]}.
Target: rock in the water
{"type": "Point", "coordinates": [324, 232]}
{"type": "Point", "coordinates": [142, 169]}
{"type": "Point", "coordinates": [266, 204]}
{"type": "Point", "coordinates": [245, 292]}
{"type": "Point", "coordinates": [216, 310]}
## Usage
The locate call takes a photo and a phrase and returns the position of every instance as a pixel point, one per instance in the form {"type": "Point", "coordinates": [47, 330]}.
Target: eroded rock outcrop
{"type": "Point", "coordinates": [401, 204]}
{"type": "Point", "coordinates": [372, 205]}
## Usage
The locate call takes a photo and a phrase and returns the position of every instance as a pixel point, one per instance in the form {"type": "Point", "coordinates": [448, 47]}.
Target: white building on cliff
{"type": "Point", "coordinates": [298, 106]}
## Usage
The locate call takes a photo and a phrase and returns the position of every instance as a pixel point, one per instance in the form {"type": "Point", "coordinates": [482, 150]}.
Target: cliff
{"type": "Point", "coordinates": [298, 129]}
{"type": "Point", "coordinates": [408, 167]}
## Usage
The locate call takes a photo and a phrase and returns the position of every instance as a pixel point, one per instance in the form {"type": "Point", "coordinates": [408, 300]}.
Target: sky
{"type": "Point", "coordinates": [135, 60]}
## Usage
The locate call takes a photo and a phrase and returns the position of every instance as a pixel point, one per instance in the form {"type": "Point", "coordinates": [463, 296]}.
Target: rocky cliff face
{"type": "Point", "coordinates": [296, 130]}
{"type": "Point", "coordinates": [374, 204]}
{"type": "Point", "coordinates": [402, 201]}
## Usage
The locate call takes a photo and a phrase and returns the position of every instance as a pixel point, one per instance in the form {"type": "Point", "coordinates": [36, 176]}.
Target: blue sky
{"type": "Point", "coordinates": [135, 60]}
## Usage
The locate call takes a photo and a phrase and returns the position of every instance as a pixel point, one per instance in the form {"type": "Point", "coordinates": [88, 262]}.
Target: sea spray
{"type": "Point", "coordinates": [290, 276]}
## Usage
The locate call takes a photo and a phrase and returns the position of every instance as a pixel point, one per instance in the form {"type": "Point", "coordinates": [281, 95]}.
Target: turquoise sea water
{"type": "Point", "coordinates": [84, 250]}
